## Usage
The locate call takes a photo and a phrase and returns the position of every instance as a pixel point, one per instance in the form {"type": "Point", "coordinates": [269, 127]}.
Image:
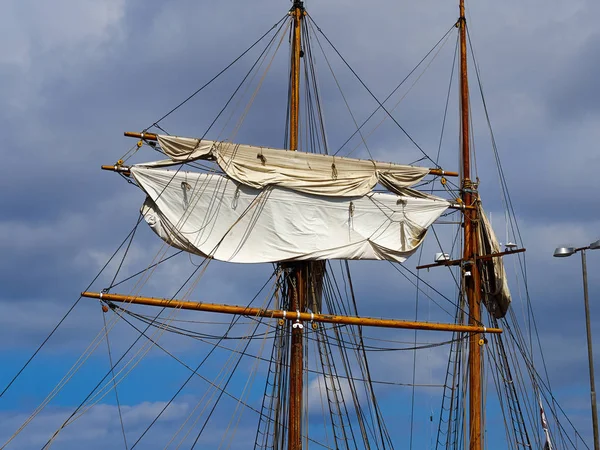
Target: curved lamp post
{"type": "Point", "coordinates": [562, 252]}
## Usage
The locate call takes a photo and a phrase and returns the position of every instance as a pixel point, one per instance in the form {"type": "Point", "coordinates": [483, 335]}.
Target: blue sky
{"type": "Point", "coordinates": [75, 75]}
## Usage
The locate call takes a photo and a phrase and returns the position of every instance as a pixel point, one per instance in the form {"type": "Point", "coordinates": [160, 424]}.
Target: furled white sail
{"type": "Point", "coordinates": [496, 292]}
{"type": "Point", "coordinates": [212, 215]}
{"type": "Point", "coordinates": [311, 173]}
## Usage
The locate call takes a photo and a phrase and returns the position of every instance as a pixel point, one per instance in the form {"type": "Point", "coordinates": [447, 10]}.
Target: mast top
{"type": "Point", "coordinates": [298, 4]}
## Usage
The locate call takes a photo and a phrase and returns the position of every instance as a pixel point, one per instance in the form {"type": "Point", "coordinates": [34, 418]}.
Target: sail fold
{"type": "Point", "coordinates": [493, 275]}
{"type": "Point", "coordinates": [212, 215]}
{"type": "Point", "coordinates": [310, 173]}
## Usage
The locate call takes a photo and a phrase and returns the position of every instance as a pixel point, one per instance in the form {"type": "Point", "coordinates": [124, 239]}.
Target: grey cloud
{"type": "Point", "coordinates": [73, 85]}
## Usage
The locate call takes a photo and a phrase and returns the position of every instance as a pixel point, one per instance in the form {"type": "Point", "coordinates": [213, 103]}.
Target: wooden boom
{"type": "Point", "coordinates": [457, 262]}
{"type": "Point", "coordinates": [289, 315]}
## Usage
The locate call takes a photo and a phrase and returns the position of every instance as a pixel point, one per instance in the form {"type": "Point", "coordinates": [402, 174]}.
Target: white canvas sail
{"type": "Point", "coordinates": [212, 215]}
{"type": "Point", "coordinates": [311, 173]}
{"type": "Point", "coordinates": [493, 276]}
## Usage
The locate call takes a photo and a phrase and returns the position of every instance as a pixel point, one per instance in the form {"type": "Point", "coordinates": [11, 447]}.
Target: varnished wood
{"type": "Point", "coordinates": [442, 173]}
{"type": "Point", "coordinates": [297, 292]}
{"type": "Point", "coordinates": [146, 136]}
{"type": "Point", "coordinates": [297, 14]}
{"type": "Point", "coordinates": [121, 169]}
{"type": "Point", "coordinates": [471, 276]}
{"type": "Point", "coordinates": [290, 315]}
{"type": "Point", "coordinates": [456, 262]}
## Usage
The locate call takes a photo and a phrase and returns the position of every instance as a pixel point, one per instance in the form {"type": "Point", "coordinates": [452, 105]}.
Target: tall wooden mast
{"type": "Point", "coordinates": [297, 13]}
{"type": "Point", "coordinates": [298, 273]}
{"type": "Point", "coordinates": [472, 281]}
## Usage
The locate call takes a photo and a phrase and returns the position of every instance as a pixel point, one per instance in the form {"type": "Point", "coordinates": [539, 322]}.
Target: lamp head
{"type": "Point", "coordinates": [562, 252]}
{"type": "Point", "coordinates": [595, 245]}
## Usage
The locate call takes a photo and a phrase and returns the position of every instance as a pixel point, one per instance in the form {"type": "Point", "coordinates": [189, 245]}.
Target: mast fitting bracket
{"type": "Point", "coordinates": [298, 324]}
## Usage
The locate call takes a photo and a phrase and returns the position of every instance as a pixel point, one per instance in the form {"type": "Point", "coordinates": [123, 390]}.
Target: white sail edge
{"type": "Point", "coordinates": [217, 217]}
{"type": "Point", "coordinates": [310, 173]}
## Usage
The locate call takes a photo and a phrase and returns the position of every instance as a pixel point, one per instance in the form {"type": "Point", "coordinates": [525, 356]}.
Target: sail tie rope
{"type": "Point", "coordinates": [334, 172]}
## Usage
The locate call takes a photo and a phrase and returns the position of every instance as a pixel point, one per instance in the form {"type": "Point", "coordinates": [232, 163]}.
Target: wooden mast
{"type": "Point", "coordinates": [297, 12]}
{"type": "Point", "coordinates": [297, 279]}
{"type": "Point", "coordinates": [472, 281]}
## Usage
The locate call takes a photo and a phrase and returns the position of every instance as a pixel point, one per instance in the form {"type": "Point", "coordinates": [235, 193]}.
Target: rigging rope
{"type": "Point", "coordinates": [110, 361]}
{"type": "Point", "coordinates": [190, 377]}
{"type": "Point", "coordinates": [68, 312]}
{"type": "Point", "coordinates": [345, 100]}
{"type": "Point", "coordinates": [279, 22]}
{"type": "Point", "coordinates": [91, 393]}
{"type": "Point", "coordinates": [371, 93]}
{"type": "Point", "coordinates": [397, 87]}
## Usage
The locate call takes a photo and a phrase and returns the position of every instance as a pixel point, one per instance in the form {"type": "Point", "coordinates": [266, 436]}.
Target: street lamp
{"type": "Point", "coordinates": [562, 252]}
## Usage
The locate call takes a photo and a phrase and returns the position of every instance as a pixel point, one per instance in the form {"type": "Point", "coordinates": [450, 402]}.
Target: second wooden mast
{"type": "Point", "coordinates": [471, 276]}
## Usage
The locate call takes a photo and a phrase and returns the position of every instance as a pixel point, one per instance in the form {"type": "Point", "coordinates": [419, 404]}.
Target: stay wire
{"type": "Point", "coordinates": [378, 416]}
{"type": "Point", "coordinates": [176, 172]}
{"type": "Point", "coordinates": [396, 266]}
{"type": "Point", "coordinates": [232, 372]}
{"type": "Point", "coordinates": [195, 372]}
{"type": "Point", "coordinates": [318, 115]}
{"type": "Point", "coordinates": [215, 346]}
{"type": "Point", "coordinates": [454, 59]}
{"type": "Point", "coordinates": [355, 346]}
{"type": "Point", "coordinates": [358, 129]}
{"type": "Point", "coordinates": [110, 361]}
{"type": "Point", "coordinates": [367, 348]}
{"type": "Point", "coordinates": [124, 280]}
{"type": "Point", "coordinates": [514, 224]}
{"type": "Point", "coordinates": [187, 332]}
{"type": "Point", "coordinates": [181, 361]}
{"type": "Point", "coordinates": [361, 356]}
{"type": "Point", "coordinates": [395, 89]}
{"type": "Point", "coordinates": [69, 311]}
{"type": "Point", "coordinates": [371, 93]}
{"type": "Point", "coordinates": [548, 392]}
{"type": "Point", "coordinates": [177, 393]}
{"type": "Point", "coordinates": [391, 93]}
{"type": "Point", "coordinates": [509, 206]}
{"type": "Point", "coordinates": [206, 337]}
{"type": "Point", "coordinates": [414, 368]}
{"type": "Point", "coordinates": [268, 46]}
{"type": "Point", "coordinates": [117, 363]}
{"type": "Point", "coordinates": [126, 252]}
{"type": "Point", "coordinates": [155, 124]}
